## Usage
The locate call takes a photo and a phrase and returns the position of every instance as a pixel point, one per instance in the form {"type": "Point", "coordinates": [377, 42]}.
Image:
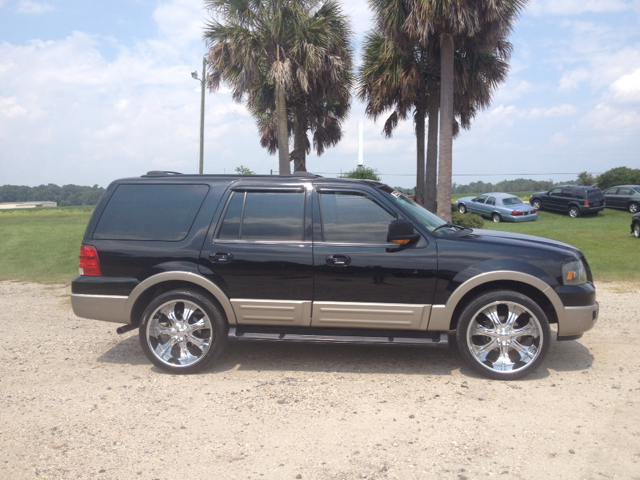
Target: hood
{"type": "Point", "coordinates": [524, 240]}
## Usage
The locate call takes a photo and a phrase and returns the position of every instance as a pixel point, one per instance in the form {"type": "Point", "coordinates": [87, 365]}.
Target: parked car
{"type": "Point", "coordinates": [500, 207]}
{"type": "Point", "coordinates": [575, 200]}
{"type": "Point", "coordinates": [196, 261]}
{"type": "Point", "coordinates": [635, 225]}
{"type": "Point", "coordinates": [626, 197]}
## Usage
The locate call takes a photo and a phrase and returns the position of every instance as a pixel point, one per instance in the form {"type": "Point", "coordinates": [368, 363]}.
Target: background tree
{"type": "Point", "coordinates": [585, 178]}
{"type": "Point", "coordinates": [242, 170]}
{"type": "Point", "coordinates": [362, 173]}
{"type": "Point", "coordinates": [297, 47]}
{"type": "Point", "coordinates": [619, 176]}
{"type": "Point", "coordinates": [447, 23]}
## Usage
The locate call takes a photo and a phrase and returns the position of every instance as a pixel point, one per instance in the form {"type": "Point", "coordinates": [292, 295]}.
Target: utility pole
{"type": "Point", "coordinates": [195, 76]}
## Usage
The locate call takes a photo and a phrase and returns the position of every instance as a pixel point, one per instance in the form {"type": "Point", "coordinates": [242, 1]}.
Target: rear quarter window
{"type": "Point", "coordinates": [150, 212]}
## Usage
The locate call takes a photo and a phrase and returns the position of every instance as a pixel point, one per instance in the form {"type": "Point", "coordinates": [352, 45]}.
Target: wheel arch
{"type": "Point", "coordinates": [445, 317]}
{"type": "Point", "coordinates": [153, 286]}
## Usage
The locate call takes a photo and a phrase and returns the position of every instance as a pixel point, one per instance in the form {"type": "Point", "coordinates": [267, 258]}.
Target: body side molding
{"type": "Point", "coordinates": [185, 277]}
{"type": "Point", "coordinates": [441, 315]}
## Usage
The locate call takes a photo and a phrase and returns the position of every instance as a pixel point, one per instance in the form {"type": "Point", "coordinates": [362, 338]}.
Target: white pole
{"type": "Point", "coordinates": [360, 143]}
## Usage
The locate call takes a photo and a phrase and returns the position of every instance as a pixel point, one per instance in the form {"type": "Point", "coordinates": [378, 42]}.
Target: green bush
{"type": "Point", "coordinates": [467, 220]}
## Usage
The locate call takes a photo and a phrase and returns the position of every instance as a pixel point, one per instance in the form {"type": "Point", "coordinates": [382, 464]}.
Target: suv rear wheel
{"type": "Point", "coordinates": [574, 212]}
{"type": "Point", "coordinates": [182, 331]}
{"type": "Point", "coordinates": [503, 335]}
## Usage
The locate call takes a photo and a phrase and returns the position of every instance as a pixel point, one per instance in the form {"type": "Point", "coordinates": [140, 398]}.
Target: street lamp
{"type": "Point", "coordinates": [195, 76]}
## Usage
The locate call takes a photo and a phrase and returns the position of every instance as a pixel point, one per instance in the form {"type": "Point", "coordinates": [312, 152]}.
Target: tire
{"type": "Point", "coordinates": [462, 208]}
{"type": "Point", "coordinates": [182, 345]}
{"type": "Point", "coordinates": [511, 354]}
{"type": "Point", "coordinates": [536, 204]}
{"type": "Point", "coordinates": [496, 217]}
{"type": "Point", "coordinates": [636, 230]}
{"type": "Point", "coordinates": [633, 207]}
{"type": "Point", "coordinates": [574, 212]}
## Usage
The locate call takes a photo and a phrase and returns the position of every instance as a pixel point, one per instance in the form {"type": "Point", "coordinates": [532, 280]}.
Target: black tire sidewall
{"type": "Point", "coordinates": [485, 299]}
{"type": "Point", "coordinates": [218, 325]}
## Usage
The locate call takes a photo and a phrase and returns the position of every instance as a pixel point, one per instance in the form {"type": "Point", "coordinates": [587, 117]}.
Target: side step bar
{"type": "Point", "coordinates": [437, 339]}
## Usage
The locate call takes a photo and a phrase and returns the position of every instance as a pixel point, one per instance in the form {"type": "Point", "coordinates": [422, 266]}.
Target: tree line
{"type": "Point", "coordinates": [65, 196]}
{"type": "Point", "coordinates": [292, 61]}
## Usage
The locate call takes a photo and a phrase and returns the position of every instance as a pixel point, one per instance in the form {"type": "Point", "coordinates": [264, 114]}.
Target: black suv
{"type": "Point", "coordinates": [194, 261]}
{"type": "Point", "coordinates": [575, 200]}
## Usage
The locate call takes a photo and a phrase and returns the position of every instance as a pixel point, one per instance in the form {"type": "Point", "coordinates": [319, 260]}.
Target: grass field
{"type": "Point", "coordinates": [42, 245]}
{"type": "Point", "coordinates": [612, 252]}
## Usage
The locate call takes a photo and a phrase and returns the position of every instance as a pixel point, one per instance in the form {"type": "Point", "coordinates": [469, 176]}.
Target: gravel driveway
{"type": "Point", "coordinates": [79, 401]}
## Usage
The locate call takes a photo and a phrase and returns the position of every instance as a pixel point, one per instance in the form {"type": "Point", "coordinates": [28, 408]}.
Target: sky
{"type": "Point", "coordinates": [91, 91]}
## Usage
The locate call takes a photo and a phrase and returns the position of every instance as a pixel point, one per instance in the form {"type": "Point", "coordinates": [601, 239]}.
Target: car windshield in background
{"type": "Point", "coordinates": [511, 201]}
{"type": "Point", "coordinates": [421, 214]}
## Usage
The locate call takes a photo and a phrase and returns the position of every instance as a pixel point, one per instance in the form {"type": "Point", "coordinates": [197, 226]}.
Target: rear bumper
{"type": "Point", "coordinates": [587, 210]}
{"type": "Point", "coordinates": [108, 308]}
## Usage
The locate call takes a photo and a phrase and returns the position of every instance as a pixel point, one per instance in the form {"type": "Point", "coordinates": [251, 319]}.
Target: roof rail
{"type": "Point", "coordinates": [304, 174]}
{"type": "Point", "coordinates": [160, 173]}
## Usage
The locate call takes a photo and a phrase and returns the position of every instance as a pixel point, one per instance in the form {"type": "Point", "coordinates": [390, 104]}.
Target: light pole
{"type": "Point", "coordinates": [195, 75]}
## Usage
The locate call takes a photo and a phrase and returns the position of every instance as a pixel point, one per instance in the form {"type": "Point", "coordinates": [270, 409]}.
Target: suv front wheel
{"type": "Point", "coordinates": [182, 331]}
{"type": "Point", "coordinates": [574, 212]}
{"type": "Point", "coordinates": [503, 335]}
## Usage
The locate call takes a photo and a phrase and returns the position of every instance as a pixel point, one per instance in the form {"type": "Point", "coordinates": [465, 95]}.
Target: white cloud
{"type": "Point", "coordinates": [572, 79]}
{"type": "Point", "coordinates": [33, 8]}
{"type": "Point", "coordinates": [576, 7]}
{"type": "Point", "coordinates": [559, 111]}
{"type": "Point", "coordinates": [627, 88]}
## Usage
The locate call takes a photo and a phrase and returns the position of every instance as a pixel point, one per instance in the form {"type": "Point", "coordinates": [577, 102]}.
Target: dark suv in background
{"type": "Point", "coordinates": [195, 261]}
{"type": "Point", "coordinates": [575, 200]}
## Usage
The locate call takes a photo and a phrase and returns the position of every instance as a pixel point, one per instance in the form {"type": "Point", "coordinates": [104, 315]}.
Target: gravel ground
{"type": "Point", "coordinates": [79, 401]}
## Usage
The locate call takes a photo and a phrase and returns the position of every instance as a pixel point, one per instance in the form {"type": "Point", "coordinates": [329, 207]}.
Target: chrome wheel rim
{"type": "Point", "coordinates": [636, 230]}
{"type": "Point", "coordinates": [536, 205]}
{"type": "Point", "coordinates": [462, 209]}
{"type": "Point", "coordinates": [496, 218]}
{"type": "Point", "coordinates": [633, 208]}
{"type": "Point", "coordinates": [179, 333]}
{"type": "Point", "coordinates": [573, 212]}
{"type": "Point", "coordinates": [504, 337]}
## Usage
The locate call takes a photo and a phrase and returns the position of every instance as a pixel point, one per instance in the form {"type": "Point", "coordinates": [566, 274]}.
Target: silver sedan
{"type": "Point", "coordinates": [500, 207]}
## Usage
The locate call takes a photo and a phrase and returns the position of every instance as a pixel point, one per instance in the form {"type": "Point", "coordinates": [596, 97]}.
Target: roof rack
{"type": "Point", "coordinates": [305, 174]}
{"type": "Point", "coordinates": [160, 173]}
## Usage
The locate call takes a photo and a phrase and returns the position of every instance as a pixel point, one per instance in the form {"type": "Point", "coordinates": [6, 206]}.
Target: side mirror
{"type": "Point", "coordinates": [474, 199]}
{"type": "Point", "coordinates": [401, 232]}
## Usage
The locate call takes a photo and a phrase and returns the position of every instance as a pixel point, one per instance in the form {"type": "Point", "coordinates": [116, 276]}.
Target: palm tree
{"type": "Point", "coordinates": [291, 45]}
{"type": "Point", "coordinates": [444, 22]}
{"type": "Point", "coordinates": [397, 80]}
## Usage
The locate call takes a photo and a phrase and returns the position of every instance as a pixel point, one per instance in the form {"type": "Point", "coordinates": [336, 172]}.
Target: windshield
{"type": "Point", "coordinates": [511, 201]}
{"type": "Point", "coordinates": [421, 214]}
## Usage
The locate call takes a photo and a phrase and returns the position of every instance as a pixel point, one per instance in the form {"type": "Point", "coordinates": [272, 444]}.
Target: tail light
{"type": "Point", "coordinates": [533, 211]}
{"type": "Point", "coordinates": [517, 213]}
{"type": "Point", "coordinates": [89, 261]}
{"type": "Point", "coordinates": [586, 202]}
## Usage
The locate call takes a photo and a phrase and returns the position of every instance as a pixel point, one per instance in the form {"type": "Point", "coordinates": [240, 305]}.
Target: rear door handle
{"type": "Point", "coordinates": [338, 260]}
{"type": "Point", "coordinates": [220, 257]}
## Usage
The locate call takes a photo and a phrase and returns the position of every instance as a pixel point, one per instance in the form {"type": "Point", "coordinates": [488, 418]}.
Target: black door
{"type": "Point", "coordinates": [361, 280]}
{"type": "Point", "coordinates": [260, 254]}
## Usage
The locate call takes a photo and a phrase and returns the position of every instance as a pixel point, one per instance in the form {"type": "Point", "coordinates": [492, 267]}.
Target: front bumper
{"type": "Point", "coordinates": [574, 321]}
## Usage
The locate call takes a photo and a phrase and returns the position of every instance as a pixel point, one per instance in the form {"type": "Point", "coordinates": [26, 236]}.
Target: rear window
{"type": "Point", "coordinates": [511, 201]}
{"type": "Point", "coordinates": [150, 212]}
{"type": "Point", "coordinates": [595, 194]}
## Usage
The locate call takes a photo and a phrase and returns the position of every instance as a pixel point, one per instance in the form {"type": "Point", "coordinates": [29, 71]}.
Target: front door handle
{"type": "Point", "coordinates": [338, 260]}
{"type": "Point", "coordinates": [220, 257]}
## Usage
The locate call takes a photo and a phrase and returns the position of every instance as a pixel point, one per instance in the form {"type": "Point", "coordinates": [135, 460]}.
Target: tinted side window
{"type": "Point", "coordinates": [579, 193]}
{"type": "Point", "coordinates": [150, 212]}
{"type": "Point", "coordinates": [491, 201]}
{"type": "Point", "coordinates": [555, 192]}
{"type": "Point", "coordinates": [352, 217]}
{"type": "Point", "coordinates": [625, 191]}
{"type": "Point", "coordinates": [611, 191]}
{"type": "Point", "coordinates": [481, 199]}
{"type": "Point", "coordinates": [269, 216]}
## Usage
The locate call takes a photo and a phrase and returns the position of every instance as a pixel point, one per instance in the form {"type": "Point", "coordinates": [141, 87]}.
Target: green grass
{"type": "Point", "coordinates": [612, 252]}
{"type": "Point", "coordinates": [41, 245]}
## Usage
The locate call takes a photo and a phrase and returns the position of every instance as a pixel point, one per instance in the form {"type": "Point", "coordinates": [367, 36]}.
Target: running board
{"type": "Point", "coordinates": [436, 339]}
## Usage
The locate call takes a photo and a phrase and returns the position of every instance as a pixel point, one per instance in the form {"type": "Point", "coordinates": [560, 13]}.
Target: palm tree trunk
{"type": "Point", "coordinates": [419, 119]}
{"type": "Point", "coordinates": [432, 154]}
{"type": "Point", "coordinates": [446, 127]}
{"type": "Point", "coordinates": [299, 153]}
{"type": "Point", "coordinates": [283, 134]}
